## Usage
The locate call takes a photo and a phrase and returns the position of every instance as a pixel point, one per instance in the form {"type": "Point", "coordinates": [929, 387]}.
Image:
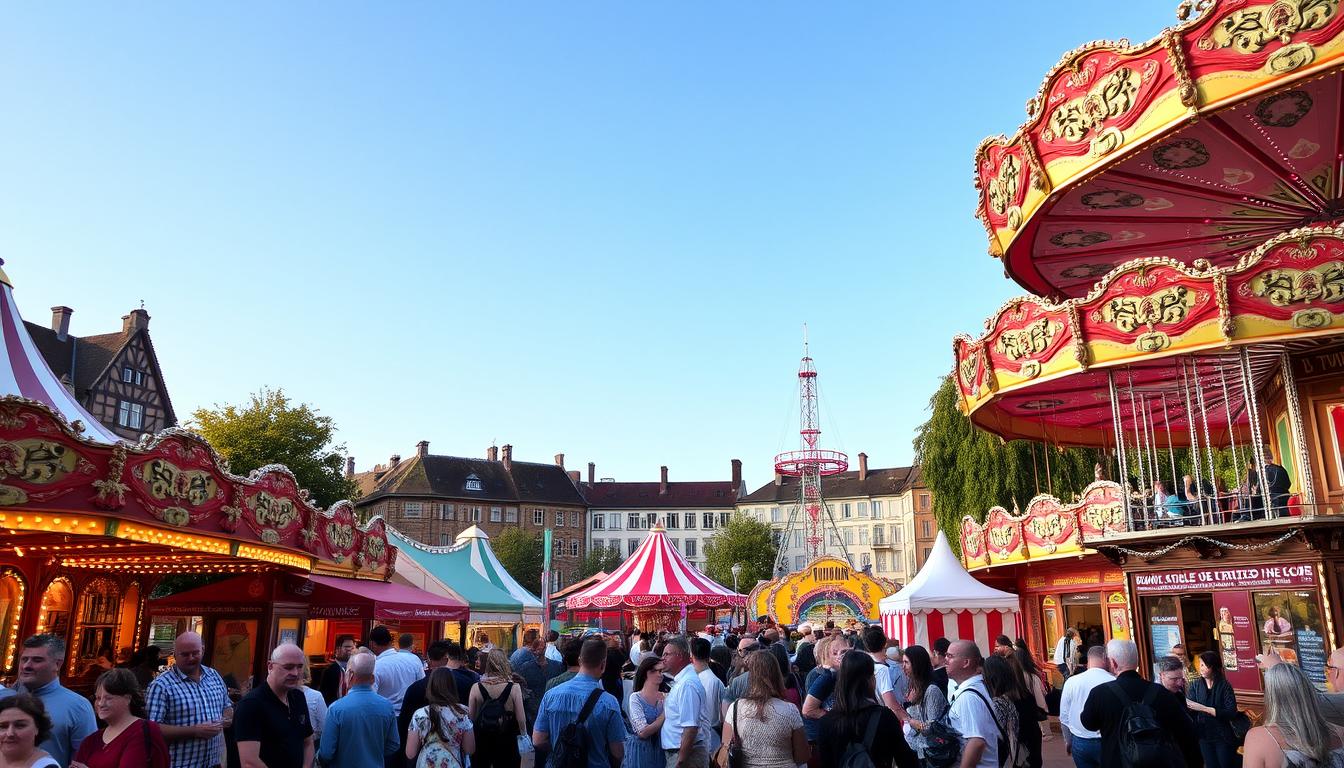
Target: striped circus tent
{"type": "Point", "coordinates": [943, 600]}
{"type": "Point", "coordinates": [473, 547]}
{"type": "Point", "coordinates": [25, 373]}
{"type": "Point", "coordinates": [656, 576]}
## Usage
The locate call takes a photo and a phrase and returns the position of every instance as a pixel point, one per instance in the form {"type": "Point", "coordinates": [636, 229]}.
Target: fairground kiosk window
{"type": "Point", "coordinates": [128, 624]}
{"type": "Point", "coordinates": [58, 600]}
{"type": "Point", "coordinates": [11, 611]}
{"type": "Point", "coordinates": [96, 631]}
{"type": "Point", "coordinates": [1288, 622]}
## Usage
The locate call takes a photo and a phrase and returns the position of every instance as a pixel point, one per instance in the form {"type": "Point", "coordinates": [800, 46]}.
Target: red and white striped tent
{"type": "Point", "coordinates": [656, 576]}
{"type": "Point", "coordinates": [943, 600]}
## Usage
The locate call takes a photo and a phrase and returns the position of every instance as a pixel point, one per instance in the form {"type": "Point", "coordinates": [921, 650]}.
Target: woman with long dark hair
{"type": "Point", "coordinates": [855, 710]}
{"type": "Point", "coordinates": [925, 701]}
{"type": "Point", "coordinates": [1213, 703]}
{"type": "Point", "coordinates": [1035, 682]}
{"type": "Point", "coordinates": [1012, 701]}
{"type": "Point", "coordinates": [440, 735]}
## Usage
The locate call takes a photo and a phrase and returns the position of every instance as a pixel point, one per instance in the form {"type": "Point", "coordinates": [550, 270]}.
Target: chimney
{"type": "Point", "coordinates": [349, 466]}
{"type": "Point", "coordinates": [134, 321]}
{"type": "Point", "coordinates": [60, 321]}
{"type": "Point", "coordinates": [560, 460]}
{"type": "Point", "coordinates": [737, 475]}
{"type": "Point", "coordinates": [662, 484]}
{"type": "Point", "coordinates": [507, 457]}
{"type": "Point", "coordinates": [863, 467]}
{"type": "Point", "coordinates": [592, 473]}
{"type": "Point", "coordinates": [492, 453]}
{"type": "Point", "coordinates": [573, 476]}
{"type": "Point", "coordinates": [779, 479]}
{"type": "Point", "coordinates": [422, 448]}
{"type": "Point", "coordinates": [392, 462]}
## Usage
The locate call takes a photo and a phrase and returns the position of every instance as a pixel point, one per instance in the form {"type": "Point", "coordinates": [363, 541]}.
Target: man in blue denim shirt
{"type": "Point", "coordinates": [561, 705]}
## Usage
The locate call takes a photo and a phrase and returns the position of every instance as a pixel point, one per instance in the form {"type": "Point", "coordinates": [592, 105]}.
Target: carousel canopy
{"type": "Point", "coordinates": [24, 372]}
{"type": "Point", "coordinates": [447, 567]}
{"type": "Point", "coordinates": [944, 585]}
{"type": "Point", "coordinates": [655, 576]}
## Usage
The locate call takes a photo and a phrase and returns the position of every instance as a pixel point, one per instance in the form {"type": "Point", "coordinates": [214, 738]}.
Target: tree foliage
{"type": "Point", "coordinates": [747, 541]}
{"type": "Point", "coordinates": [599, 559]}
{"type": "Point", "coordinates": [969, 470]}
{"type": "Point", "coordinates": [270, 429]}
{"type": "Point", "coordinates": [521, 553]}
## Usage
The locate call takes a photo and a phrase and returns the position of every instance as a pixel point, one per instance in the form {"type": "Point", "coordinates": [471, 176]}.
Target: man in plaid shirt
{"type": "Point", "coordinates": [191, 705]}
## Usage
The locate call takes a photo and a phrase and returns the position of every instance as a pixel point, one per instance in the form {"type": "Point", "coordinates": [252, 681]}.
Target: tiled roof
{"type": "Point", "coordinates": [711, 494]}
{"type": "Point", "coordinates": [890, 481]}
{"type": "Point", "coordinates": [91, 355]}
{"type": "Point", "coordinates": [446, 476]}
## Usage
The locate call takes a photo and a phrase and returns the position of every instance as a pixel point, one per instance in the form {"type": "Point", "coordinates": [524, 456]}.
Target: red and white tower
{"type": "Point", "coordinates": [810, 464]}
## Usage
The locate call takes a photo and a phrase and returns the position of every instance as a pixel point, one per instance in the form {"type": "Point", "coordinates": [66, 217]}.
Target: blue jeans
{"type": "Point", "coordinates": [1086, 752]}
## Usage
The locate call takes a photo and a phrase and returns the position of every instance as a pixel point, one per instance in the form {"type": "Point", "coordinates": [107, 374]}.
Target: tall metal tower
{"type": "Point", "coordinates": [810, 464]}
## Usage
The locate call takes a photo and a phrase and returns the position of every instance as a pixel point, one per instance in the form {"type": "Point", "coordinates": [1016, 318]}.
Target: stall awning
{"type": "Point", "coordinates": [452, 567]}
{"type": "Point", "coordinates": [337, 598]}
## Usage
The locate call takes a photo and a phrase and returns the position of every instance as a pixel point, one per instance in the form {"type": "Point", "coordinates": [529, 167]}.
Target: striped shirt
{"type": "Point", "coordinates": [175, 699]}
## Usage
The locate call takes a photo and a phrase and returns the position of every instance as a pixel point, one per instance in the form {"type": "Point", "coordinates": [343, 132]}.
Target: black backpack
{"type": "Point", "coordinates": [1143, 742]}
{"type": "Point", "coordinates": [572, 748]}
{"type": "Point", "coordinates": [1003, 744]}
{"type": "Point", "coordinates": [493, 712]}
{"type": "Point", "coordinates": [859, 753]}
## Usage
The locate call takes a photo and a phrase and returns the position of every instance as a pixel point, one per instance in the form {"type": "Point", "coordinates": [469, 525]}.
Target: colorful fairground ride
{"type": "Point", "coordinates": [1174, 208]}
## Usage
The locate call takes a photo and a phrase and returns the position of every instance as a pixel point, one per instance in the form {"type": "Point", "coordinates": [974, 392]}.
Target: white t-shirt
{"type": "Point", "coordinates": [971, 717]}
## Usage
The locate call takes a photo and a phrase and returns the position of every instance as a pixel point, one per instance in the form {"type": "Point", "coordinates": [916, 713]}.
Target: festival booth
{"type": "Point", "coordinates": [563, 619]}
{"type": "Point", "coordinates": [828, 589]}
{"type": "Point", "coordinates": [499, 607]}
{"type": "Point", "coordinates": [658, 587]}
{"type": "Point", "coordinates": [943, 600]}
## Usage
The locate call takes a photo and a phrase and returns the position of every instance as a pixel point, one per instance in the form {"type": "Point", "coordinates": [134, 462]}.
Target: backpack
{"type": "Point", "coordinates": [571, 749]}
{"type": "Point", "coordinates": [1143, 742]}
{"type": "Point", "coordinates": [942, 744]}
{"type": "Point", "coordinates": [1004, 747]}
{"type": "Point", "coordinates": [493, 712]}
{"type": "Point", "coordinates": [858, 754]}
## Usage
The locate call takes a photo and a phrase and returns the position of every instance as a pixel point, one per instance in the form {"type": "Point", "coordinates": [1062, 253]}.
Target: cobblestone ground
{"type": "Point", "coordinates": [1052, 751]}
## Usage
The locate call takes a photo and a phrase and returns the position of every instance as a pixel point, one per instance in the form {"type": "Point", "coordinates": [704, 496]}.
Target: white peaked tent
{"type": "Point", "coordinates": [943, 600]}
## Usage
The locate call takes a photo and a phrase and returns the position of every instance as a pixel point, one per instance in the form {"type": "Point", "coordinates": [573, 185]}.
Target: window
{"type": "Point", "coordinates": [846, 510]}
{"type": "Point", "coordinates": [130, 415]}
{"type": "Point", "coordinates": [707, 520]}
{"type": "Point", "coordinates": [926, 553]}
{"type": "Point", "coordinates": [797, 539]}
{"type": "Point", "coordinates": [723, 519]}
{"type": "Point", "coordinates": [865, 560]}
{"type": "Point", "coordinates": [881, 561]}
{"type": "Point", "coordinates": [896, 534]}
{"type": "Point", "coordinates": [496, 514]}
{"type": "Point", "coordinates": [776, 516]}
{"type": "Point", "coordinates": [631, 545]}
{"type": "Point", "coordinates": [863, 509]}
{"type": "Point", "coordinates": [651, 519]}
{"type": "Point", "coordinates": [473, 483]}
{"type": "Point", "coordinates": [598, 544]}
{"type": "Point", "coordinates": [614, 521]}
{"type": "Point", "coordinates": [927, 527]}
{"type": "Point", "coordinates": [676, 544]}
{"type": "Point", "coordinates": [538, 517]}
{"type": "Point", "coordinates": [690, 521]}
{"type": "Point", "coordinates": [798, 563]}
{"type": "Point", "coordinates": [673, 520]}
{"type": "Point", "coordinates": [573, 547]}
{"type": "Point", "coordinates": [447, 512]}
{"type": "Point", "coordinates": [632, 521]}
{"type": "Point", "coordinates": [574, 519]}
{"type": "Point", "coordinates": [878, 535]}
{"type": "Point", "coordinates": [863, 535]}
{"type": "Point", "coordinates": [127, 375]}
{"type": "Point", "coordinates": [849, 536]}
{"type": "Point", "coordinates": [559, 519]}
{"type": "Point", "coordinates": [923, 502]}
{"type": "Point", "coordinates": [599, 522]}
{"type": "Point", "coordinates": [444, 540]}
{"type": "Point", "coordinates": [877, 509]}
{"type": "Point", "coordinates": [510, 514]}
{"type": "Point", "coordinates": [475, 515]}
{"type": "Point", "coordinates": [559, 579]}
{"type": "Point", "coordinates": [412, 510]}
{"type": "Point", "coordinates": [690, 547]}
{"type": "Point", "coordinates": [139, 378]}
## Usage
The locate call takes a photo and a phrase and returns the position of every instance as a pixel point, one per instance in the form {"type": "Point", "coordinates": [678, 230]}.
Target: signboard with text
{"type": "Point", "coordinates": [1236, 639]}
{"type": "Point", "coordinates": [1240, 577]}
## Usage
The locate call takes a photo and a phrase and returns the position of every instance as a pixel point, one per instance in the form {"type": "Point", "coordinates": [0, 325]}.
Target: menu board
{"type": "Point", "coordinates": [1288, 622]}
{"type": "Point", "coordinates": [1236, 639]}
{"type": "Point", "coordinates": [1312, 656]}
{"type": "Point", "coordinates": [1164, 625]}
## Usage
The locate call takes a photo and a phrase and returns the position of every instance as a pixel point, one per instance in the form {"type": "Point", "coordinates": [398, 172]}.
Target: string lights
{"type": "Point", "coordinates": [1156, 553]}
{"type": "Point", "coordinates": [17, 612]}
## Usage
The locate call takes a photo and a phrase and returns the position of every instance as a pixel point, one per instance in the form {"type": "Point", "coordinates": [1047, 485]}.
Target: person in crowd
{"type": "Point", "coordinates": [484, 644]}
{"type": "Point", "coordinates": [1331, 705]}
{"type": "Point", "coordinates": [970, 712]}
{"type": "Point", "coordinates": [333, 677]}
{"type": "Point", "coordinates": [1084, 744]}
{"type": "Point", "coordinates": [127, 739]}
{"type": "Point", "coordinates": [271, 725]}
{"type": "Point", "coordinates": [565, 703]}
{"type": "Point", "coordinates": [721, 661]}
{"type": "Point", "coordinates": [498, 715]}
{"type": "Point", "coordinates": [191, 704]}
{"type": "Point", "coordinates": [1014, 709]}
{"type": "Point", "coordinates": [393, 671]}
{"type": "Point", "coordinates": [569, 655]}
{"type": "Point", "coordinates": [317, 706]}
{"type": "Point", "coordinates": [1003, 646]}
{"type": "Point", "coordinates": [455, 659]}
{"type": "Point", "coordinates": [1171, 675]}
{"type": "Point", "coordinates": [145, 665]}
{"type": "Point", "coordinates": [612, 681]}
{"type": "Point", "coordinates": [535, 669]}
{"type": "Point", "coordinates": [858, 718]}
{"type": "Point", "coordinates": [1104, 710]}
{"type": "Point", "coordinates": [1036, 683]}
{"type": "Point", "coordinates": [644, 747]}
{"type": "Point", "coordinates": [360, 729]}
{"type": "Point", "coordinates": [553, 647]}
{"type": "Point", "coordinates": [769, 728]}
{"type": "Point", "coordinates": [892, 687]}
{"type": "Point", "coordinates": [937, 657]}
{"type": "Point", "coordinates": [806, 658]}
{"type": "Point", "coordinates": [529, 642]}
{"type": "Point", "coordinates": [406, 643]}
{"type": "Point", "coordinates": [24, 726]}
{"type": "Point", "coordinates": [416, 696]}
{"type": "Point", "coordinates": [1213, 705]}
{"type": "Point", "coordinates": [714, 690]}
{"type": "Point", "coordinates": [925, 702]}
{"type": "Point", "coordinates": [440, 733]}
{"type": "Point", "coordinates": [685, 741]}
{"type": "Point", "coordinates": [821, 691]}
{"type": "Point", "coordinates": [69, 714]}
{"type": "Point", "coordinates": [1294, 733]}
{"type": "Point", "coordinates": [636, 641]}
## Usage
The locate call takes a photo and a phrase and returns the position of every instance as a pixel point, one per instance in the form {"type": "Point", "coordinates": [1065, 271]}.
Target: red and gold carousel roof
{"type": "Point", "coordinates": [1202, 143]}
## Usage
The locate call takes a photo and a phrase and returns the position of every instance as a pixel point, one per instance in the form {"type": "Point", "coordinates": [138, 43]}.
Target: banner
{"type": "Point", "coordinates": [1237, 639]}
{"type": "Point", "coordinates": [1247, 577]}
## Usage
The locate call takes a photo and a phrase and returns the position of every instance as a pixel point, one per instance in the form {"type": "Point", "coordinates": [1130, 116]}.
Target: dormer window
{"type": "Point", "coordinates": [473, 483]}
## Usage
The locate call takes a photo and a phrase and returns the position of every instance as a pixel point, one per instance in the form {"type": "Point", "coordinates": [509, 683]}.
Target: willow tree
{"type": "Point", "coordinates": [969, 470]}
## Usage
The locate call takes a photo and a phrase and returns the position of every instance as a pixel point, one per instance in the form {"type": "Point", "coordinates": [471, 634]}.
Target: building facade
{"type": "Point", "coordinates": [620, 514]}
{"type": "Point", "coordinates": [115, 376]}
{"type": "Point", "coordinates": [434, 498]}
{"type": "Point", "coordinates": [883, 518]}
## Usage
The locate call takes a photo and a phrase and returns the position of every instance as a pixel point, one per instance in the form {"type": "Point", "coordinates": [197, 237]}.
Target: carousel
{"type": "Point", "coordinates": [656, 587]}
{"type": "Point", "coordinates": [92, 524]}
{"type": "Point", "coordinates": [1174, 208]}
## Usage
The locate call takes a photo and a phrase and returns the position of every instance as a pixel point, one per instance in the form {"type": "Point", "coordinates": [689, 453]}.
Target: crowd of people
{"type": "Point", "coordinates": [826, 696]}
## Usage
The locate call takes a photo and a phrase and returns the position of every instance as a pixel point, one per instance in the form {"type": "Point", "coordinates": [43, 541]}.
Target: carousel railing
{"type": "Point", "coordinates": [1147, 514]}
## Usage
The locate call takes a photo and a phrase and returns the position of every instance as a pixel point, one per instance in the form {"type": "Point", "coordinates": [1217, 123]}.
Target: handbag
{"type": "Point", "coordinates": [730, 752]}
{"type": "Point", "coordinates": [1241, 725]}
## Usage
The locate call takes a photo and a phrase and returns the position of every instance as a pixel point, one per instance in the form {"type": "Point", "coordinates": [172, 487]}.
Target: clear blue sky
{"type": "Point", "coordinates": [593, 228]}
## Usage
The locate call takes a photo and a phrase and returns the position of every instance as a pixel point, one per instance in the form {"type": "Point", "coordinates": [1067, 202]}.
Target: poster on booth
{"type": "Point", "coordinates": [1288, 623]}
{"type": "Point", "coordinates": [1164, 625]}
{"type": "Point", "coordinates": [1236, 639]}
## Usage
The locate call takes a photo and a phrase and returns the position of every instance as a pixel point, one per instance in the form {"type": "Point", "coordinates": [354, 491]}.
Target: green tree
{"type": "Point", "coordinates": [746, 541]}
{"type": "Point", "coordinates": [599, 559]}
{"type": "Point", "coordinates": [270, 429]}
{"type": "Point", "coordinates": [969, 470]}
{"type": "Point", "coordinates": [521, 554]}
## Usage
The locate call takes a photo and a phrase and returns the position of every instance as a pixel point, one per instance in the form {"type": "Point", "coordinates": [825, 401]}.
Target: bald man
{"type": "Point", "coordinates": [271, 725]}
{"type": "Point", "coordinates": [1331, 704]}
{"type": "Point", "coordinates": [190, 702]}
{"type": "Point", "coordinates": [360, 730]}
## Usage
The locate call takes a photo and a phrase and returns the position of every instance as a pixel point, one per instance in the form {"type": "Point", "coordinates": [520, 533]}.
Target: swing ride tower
{"type": "Point", "coordinates": [1176, 210]}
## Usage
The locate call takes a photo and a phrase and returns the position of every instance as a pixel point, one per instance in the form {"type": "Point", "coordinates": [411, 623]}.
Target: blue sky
{"type": "Point", "coordinates": [593, 228]}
